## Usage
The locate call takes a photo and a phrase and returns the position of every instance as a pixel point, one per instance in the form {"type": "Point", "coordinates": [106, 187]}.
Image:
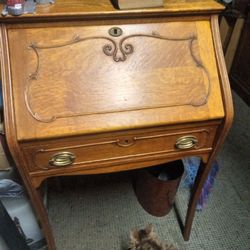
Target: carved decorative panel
{"type": "Point", "coordinates": [58, 89]}
{"type": "Point", "coordinates": [94, 77]}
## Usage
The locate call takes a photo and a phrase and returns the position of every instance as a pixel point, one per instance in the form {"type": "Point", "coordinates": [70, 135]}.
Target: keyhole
{"type": "Point", "coordinates": [115, 31]}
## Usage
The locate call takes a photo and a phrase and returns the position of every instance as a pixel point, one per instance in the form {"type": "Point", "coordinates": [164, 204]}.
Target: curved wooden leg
{"type": "Point", "coordinates": [201, 177]}
{"type": "Point", "coordinates": [222, 132]}
{"type": "Point", "coordinates": [41, 212]}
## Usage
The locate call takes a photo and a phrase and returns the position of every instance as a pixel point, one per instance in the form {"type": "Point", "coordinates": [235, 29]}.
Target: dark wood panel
{"type": "Point", "coordinates": [240, 72]}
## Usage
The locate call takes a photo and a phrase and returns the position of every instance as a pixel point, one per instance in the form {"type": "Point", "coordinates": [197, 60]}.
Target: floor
{"type": "Point", "coordinates": [98, 212]}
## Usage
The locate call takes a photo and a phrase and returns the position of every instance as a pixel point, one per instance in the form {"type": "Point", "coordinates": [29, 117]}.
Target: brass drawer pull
{"type": "Point", "coordinates": [62, 159]}
{"type": "Point", "coordinates": [186, 142]}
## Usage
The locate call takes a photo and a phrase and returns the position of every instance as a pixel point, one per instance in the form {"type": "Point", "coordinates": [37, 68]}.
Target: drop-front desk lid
{"type": "Point", "coordinates": [86, 77]}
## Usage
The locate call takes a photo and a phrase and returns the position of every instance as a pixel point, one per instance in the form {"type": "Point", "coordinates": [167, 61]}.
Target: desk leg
{"type": "Point", "coordinates": [201, 177]}
{"type": "Point", "coordinates": [228, 108]}
{"type": "Point", "coordinates": [41, 212]}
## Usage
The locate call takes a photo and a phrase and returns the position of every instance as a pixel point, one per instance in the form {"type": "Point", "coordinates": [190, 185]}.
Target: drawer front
{"type": "Point", "coordinates": [121, 148]}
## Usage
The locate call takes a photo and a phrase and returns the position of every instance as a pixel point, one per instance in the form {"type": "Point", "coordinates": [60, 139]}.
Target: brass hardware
{"type": "Point", "coordinates": [127, 142]}
{"type": "Point", "coordinates": [62, 159]}
{"type": "Point", "coordinates": [186, 142]}
{"type": "Point", "coordinates": [115, 31]}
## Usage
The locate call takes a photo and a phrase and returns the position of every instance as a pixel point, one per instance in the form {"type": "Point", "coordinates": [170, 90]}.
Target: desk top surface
{"type": "Point", "coordinates": [104, 8]}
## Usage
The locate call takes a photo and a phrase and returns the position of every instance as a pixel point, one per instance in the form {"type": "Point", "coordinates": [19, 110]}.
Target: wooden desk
{"type": "Point", "coordinates": [89, 89]}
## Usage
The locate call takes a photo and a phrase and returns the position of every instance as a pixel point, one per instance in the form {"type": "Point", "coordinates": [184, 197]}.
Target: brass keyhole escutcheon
{"type": "Point", "coordinates": [127, 142]}
{"type": "Point", "coordinates": [115, 31]}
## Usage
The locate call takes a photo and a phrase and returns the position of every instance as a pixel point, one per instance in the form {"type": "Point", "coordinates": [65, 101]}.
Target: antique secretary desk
{"type": "Point", "coordinates": [89, 89]}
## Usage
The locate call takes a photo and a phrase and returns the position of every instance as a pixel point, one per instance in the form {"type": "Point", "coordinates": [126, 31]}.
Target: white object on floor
{"type": "Point", "coordinates": [22, 213]}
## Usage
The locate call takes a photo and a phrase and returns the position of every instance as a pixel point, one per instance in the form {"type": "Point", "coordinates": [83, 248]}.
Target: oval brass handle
{"type": "Point", "coordinates": [186, 142]}
{"type": "Point", "coordinates": [62, 159]}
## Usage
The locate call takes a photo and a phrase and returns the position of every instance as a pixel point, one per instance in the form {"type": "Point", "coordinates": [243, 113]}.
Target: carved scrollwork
{"type": "Point", "coordinates": [125, 50]}
{"type": "Point", "coordinates": [118, 50]}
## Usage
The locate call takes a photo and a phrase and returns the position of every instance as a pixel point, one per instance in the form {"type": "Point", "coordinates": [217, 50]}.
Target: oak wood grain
{"type": "Point", "coordinates": [14, 146]}
{"type": "Point", "coordinates": [221, 133]}
{"type": "Point", "coordinates": [69, 85]}
{"type": "Point", "coordinates": [85, 81]}
{"type": "Point", "coordinates": [116, 147]}
{"type": "Point", "coordinates": [76, 9]}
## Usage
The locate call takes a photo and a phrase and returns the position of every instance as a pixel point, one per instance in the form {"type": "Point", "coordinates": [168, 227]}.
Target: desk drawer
{"type": "Point", "coordinates": [118, 148]}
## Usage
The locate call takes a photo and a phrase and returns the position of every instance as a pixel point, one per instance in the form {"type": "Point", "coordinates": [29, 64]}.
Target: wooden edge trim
{"type": "Point", "coordinates": [224, 79]}
{"type": "Point", "coordinates": [97, 22]}
{"type": "Point", "coordinates": [110, 14]}
{"type": "Point", "coordinates": [7, 94]}
{"type": "Point", "coordinates": [223, 129]}
{"type": "Point", "coordinates": [39, 177]}
{"type": "Point", "coordinates": [102, 163]}
{"type": "Point", "coordinates": [9, 117]}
